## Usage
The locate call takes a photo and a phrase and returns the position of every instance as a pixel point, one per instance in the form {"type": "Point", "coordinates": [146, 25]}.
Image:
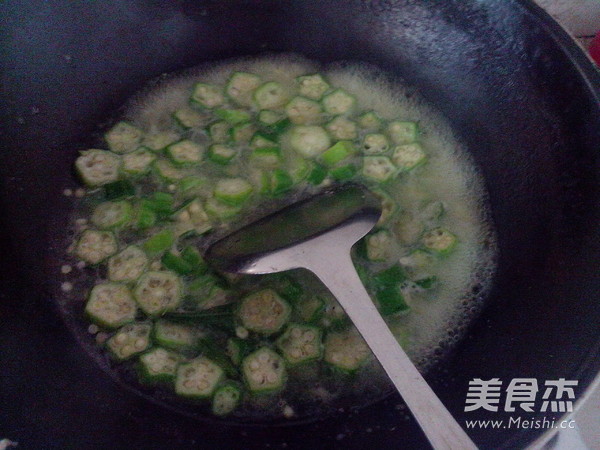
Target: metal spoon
{"type": "Point", "coordinates": [317, 234]}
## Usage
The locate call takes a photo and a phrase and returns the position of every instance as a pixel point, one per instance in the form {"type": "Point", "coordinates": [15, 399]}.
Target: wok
{"type": "Point", "coordinates": [518, 92]}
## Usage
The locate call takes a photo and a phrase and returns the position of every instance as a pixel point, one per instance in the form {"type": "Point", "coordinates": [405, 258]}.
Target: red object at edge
{"type": "Point", "coordinates": [595, 49]}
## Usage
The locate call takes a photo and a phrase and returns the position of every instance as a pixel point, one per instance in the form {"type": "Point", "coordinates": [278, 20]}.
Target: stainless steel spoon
{"type": "Point", "coordinates": [317, 234]}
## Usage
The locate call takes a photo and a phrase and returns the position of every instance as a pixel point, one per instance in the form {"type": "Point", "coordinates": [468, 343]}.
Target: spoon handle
{"type": "Point", "coordinates": [337, 272]}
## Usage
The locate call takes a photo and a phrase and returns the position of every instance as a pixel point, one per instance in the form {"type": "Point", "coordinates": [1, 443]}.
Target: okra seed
{"type": "Point", "coordinates": [120, 338]}
{"type": "Point", "coordinates": [288, 412]}
{"type": "Point", "coordinates": [127, 350]}
{"type": "Point", "coordinates": [140, 343]}
{"type": "Point", "coordinates": [263, 357]}
{"type": "Point", "coordinates": [254, 365]}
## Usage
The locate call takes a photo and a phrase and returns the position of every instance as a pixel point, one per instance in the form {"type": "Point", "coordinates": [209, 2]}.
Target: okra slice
{"type": "Point", "coordinates": [407, 157]}
{"type": "Point", "coordinates": [233, 116]}
{"type": "Point", "coordinates": [337, 153]}
{"type": "Point", "coordinates": [198, 378]}
{"type": "Point", "coordinates": [185, 152]}
{"type": "Point", "coordinates": [219, 132]}
{"type": "Point", "coordinates": [375, 144]}
{"type": "Point", "coordinates": [243, 132]}
{"type": "Point", "coordinates": [159, 365]}
{"type": "Point", "coordinates": [261, 140]}
{"type": "Point", "coordinates": [264, 312]}
{"type": "Point", "coordinates": [123, 137]}
{"type": "Point", "coordinates": [312, 86]}
{"type": "Point", "coordinates": [145, 217]}
{"type": "Point", "coordinates": [334, 315]}
{"type": "Point", "coordinates": [174, 336]}
{"type": "Point", "coordinates": [158, 292]}
{"type": "Point", "coordinates": [226, 399]}
{"type": "Point", "coordinates": [217, 296]}
{"type": "Point", "coordinates": [271, 95]}
{"type": "Point", "coordinates": [241, 86]}
{"type": "Point", "coordinates": [299, 168]}
{"type": "Point", "coordinates": [370, 121]}
{"type": "Point", "coordinates": [311, 309]}
{"type": "Point", "coordinates": [304, 111]}
{"type": "Point", "coordinates": [189, 261]}
{"type": "Point", "coordinates": [109, 215]}
{"type": "Point", "coordinates": [207, 95]}
{"type": "Point", "coordinates": [317, 174]}
{"type": "Point", "coordinates": [342, 128]}
{"type": "Point", "coordinates": [402, 132]}
{"type": "Point", "coordinates": [193, 257]}
{"type": "Point", "coordinates": [387, 290]}
{"type": "Point", "coordinates": [219, 210]}
{"type": "Point", "coordinates": [159, 242]}
{"type": "Point", "coordinates": [188, 118]}
{"type": "Point", "coordinates": [300, 343]}
{"type": "Point", "coordinates": [439, 241]}
{"type": "Point", "coordinates": [161, 203]}
{"type": "Point", "coordinates": [279, 127]}
{"type": "Point", "coordinates": [268, 117]}
{"type": "Point", "coordinates": [344, 173]}
{"type": "Point", "coordinates": [338, 102]}
{"type": "Point", "coordinates": [128, 265]}
{"type": "Point", "coordinates": [192, 183]}
{"type": "Point", "coordinates": [388, 206]}
{"type": "Point", "coordinates": [266, 157]}
{"type": "Point", "coordinates": [379, 245]}
{"type": "Point", "coordinates": [280, 182]}
{"type": "Point", "coordinates": [237, 349]}
{"type": "Point", "coordinates": [264, 371]}
{"type": "Point", "coordinates": [346, 350]}
{"type": "Point", "coordinates": [138, 162]}
{"type": "Point", "coordinates": [192, 218]}
{"type": "Point", "coordinates": [418, 259]}
{"type": "Point", "coordinates": [95, 246]}
{"type": "Point", "coordinates": [378, 168]}
{"type": "Point", "coordinates": [129, 340]}
{"type": "Point", "coordinates": [110, 305]}
{"type": "Point", "coordinates": [176, 263]}
{"type": "Point", "coordinates": [168, 172]}
{"type": "Point", "coordinates": [233, 191]}
{"type": "Point", "coordinates": [98, 167]}
{"type": "Point", "coordinates": [159, 141]}
{"type": "Point", "coordinates": [309, 140]}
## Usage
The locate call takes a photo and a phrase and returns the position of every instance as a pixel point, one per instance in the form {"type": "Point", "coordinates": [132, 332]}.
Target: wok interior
{"type": "Point", "coordinates": [517, 101]}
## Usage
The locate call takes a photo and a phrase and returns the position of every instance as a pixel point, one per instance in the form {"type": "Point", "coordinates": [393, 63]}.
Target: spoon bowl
{"type": "Point", "coordinates": [317, 234]}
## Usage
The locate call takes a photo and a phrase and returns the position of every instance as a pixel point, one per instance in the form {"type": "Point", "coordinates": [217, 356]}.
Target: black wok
{"type": "Point", "coordinates": [518, 92]}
